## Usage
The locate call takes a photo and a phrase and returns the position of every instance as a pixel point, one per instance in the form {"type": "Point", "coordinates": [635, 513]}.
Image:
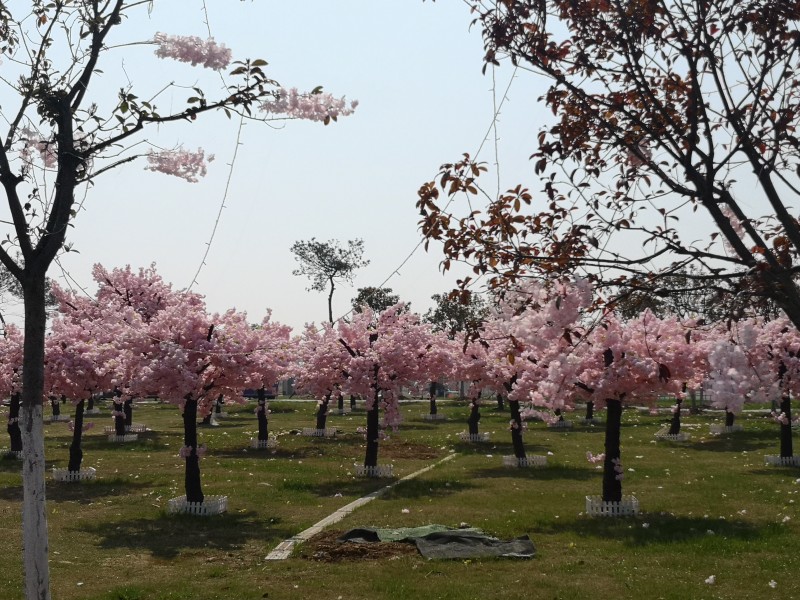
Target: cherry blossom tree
{"type": "Point", "coordinates": [187, 357]}
{"type": "Point", "coordinates": [386, 352]}
{"type": "Point", "coordinates": [62, 133]}
{"type": "Point", "coordinates": [79, 362]}
{"type": "Point", "coordinates": [10, 381]}
{"type": "Point", "coordinates": [271, 362]}
{"type": "Point", "coordinates": [321, 365]}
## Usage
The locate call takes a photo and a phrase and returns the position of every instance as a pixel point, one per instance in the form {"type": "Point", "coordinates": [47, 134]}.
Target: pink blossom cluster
{"type": "Point", "coordinates": [186, 451]}
{"type": "Point", "coordinates": [620, 474]}
{"type": "Point", "coordinates": [779, 417]}
{"type": "Point", "coordinates": [319, 107]}
{"type": "Point", "coordinates": [33, 144]}
{"type": "Point", "coordinates": [595, 458]}
{"type": "Point", "coordinates": [86, 426]}
{"type": "Point", "coordinates": [194, 50]}
{"type": "Point", "coordinates": [180, 163]}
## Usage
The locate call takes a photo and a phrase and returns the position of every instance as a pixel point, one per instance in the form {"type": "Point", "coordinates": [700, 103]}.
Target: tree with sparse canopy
{"type": "Point", "coordinates": [378, 299]}
{"type": "Point", "coordinates": [454, 314]}
{"type": "Point", "coordinates": [662, 108]}
{"type": "Point", "coordinates": [63, 130]}
{"type": "Point", "coordinates": [327, 263]}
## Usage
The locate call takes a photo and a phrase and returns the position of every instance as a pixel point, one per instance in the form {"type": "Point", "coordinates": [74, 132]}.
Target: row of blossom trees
{"type": "Point", "coordinates": [543, 347]}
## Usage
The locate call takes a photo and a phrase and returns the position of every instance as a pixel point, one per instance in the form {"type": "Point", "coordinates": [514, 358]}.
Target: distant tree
{"type": "Point", "coordinates": [457, 313]}
{"type": "Point", "coordinates": [327, 263]}
{"type": "Point", "coordinates": [376, 298]}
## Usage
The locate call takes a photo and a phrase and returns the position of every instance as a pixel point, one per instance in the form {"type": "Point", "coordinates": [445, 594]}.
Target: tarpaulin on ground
{"type": "Point", "coordinates": [440, 541]}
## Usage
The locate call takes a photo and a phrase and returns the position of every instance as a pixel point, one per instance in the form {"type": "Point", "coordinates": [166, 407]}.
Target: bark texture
{"type": "Point", "coordinates": [612, 484]}
{"type": "Point", "coordinates": [194, 492]}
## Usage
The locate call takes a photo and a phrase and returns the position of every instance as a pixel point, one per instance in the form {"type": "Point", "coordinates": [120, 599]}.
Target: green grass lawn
{"type": "Point", "coordinates": [709, 507]}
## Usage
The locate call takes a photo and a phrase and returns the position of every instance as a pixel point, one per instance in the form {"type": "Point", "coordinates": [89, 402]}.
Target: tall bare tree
{"type": "Point", "coordinates": [327, 263]}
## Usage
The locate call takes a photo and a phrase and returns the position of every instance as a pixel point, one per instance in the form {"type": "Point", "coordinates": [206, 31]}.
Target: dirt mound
{"type": "Point", "coordinates": [325, 548]}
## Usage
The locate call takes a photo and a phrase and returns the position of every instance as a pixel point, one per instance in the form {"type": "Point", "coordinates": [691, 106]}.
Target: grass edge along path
{"type": "Point", "coordinates": [283, 550]}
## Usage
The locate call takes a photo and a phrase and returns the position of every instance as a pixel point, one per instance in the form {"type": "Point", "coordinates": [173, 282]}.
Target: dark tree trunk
{"type": "Point", "coordinates": [119, 417]}
{"type": "Point", "coordinates": [75, 452]}
{"type": "Point", "coordinates": [500, 402]}
{"type": "Point", "coordinates": [90, 403]}
{"type": "Point", "coordinates": [261, 414]}
{"type": "Point", "coordinates": [352, 401]}
{"type": "Point", "coordinates": [612, 486]}
{"type": "Point", "coordinates": [373, 433]}
{"type": "Point", "coordinates": [218, 404]}
{"type": "Point", "coordinates": [474, 418]}
{"type": "Point", "coordinates": [340, 402]}
{"type": "Point", "coordinates": [207, 420]}
{"type": "Point", "coordinates": [589, 411]}
{"type": "Point", "coordinates": [322, 412]}
{"type": "Point", "coordinates": [516, 429]}
{"type": "Point", "coordinates": [675, 424]}
{"type": "Point", "coordinates": [13, 424]}
{"type": "Point", "coordinates": [194, 493]}
{"type": "Point", "coordinates": [55, 405]}
{"type": "Point", "coordinates": [729, 418]}
{"type": "Point", "coordinates": [432, 397]}
{"type": "Point", "coordinates": [559, 414]}
{"type": "Point", "coordinates": [786, 430]}
{"type": "Point", "coordinates": [127, 408]}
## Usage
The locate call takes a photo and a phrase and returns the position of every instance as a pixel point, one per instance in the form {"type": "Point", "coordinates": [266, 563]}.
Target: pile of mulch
{"type": "Point", "coordinates": [325, 547]}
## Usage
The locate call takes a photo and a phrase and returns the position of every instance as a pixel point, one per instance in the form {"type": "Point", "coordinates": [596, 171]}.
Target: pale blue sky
{"type": "Point", "coordinates": [416, 70]}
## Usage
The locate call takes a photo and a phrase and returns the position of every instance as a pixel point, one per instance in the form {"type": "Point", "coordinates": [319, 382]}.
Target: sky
{"type": "Point", "coordinates": [416, 69]}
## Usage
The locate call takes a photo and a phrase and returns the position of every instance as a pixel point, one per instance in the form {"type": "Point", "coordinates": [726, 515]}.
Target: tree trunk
{"type": "Point", "coordinates": [612, 485]}
{"type": "Point", "coordinates": [693, 408]}
{"type": "Point", "coordinates": [218, 404]}
{"type": "Point", "coordinates": [119, 416]}
{"type": "Point", "coordinates": [13, 424]}
{"type": "Point", "coordinates": [433, 409]}
{"type": "Point", "coordinates": [786, 430]}
{"type": "Point", "coordinates": [352, 401]}
{"type": "Point", "coordinates": [127, 408]}
{"type": "Point", "coordinates": [34, 510]}
{"type": "Point", "coordinates": [675, 424]}
{"type": "Point", "coordinates": [729, 418]}
{"type": "Point", "coordinates": [373, 433]}
{"type": "Point", "coordinates": [559, 414]}
{"type": "Point", "coordinates": [75, 452]}
{"type": "Point", "coordinates": [261, 414]}
{"type": "Point", "coordinates": [90, 405]}
{"type": "Point", "coordinates": [474, 418]}
{"type": "Point", "coordinates": [589, 410]}
{"type": "Point", "coordinates": [330, 302]}
{"type": "Point", "coordinates": [55, 406]}
{"type": "Point", "coordinates": [340, 402]}
{"type": "Point", "coordinates": [194, 493]}
{"type": "Point", "coordinates": [516, 429]}
{"type": "Point", "coordinates": [500, 402]}
{"type": "Point", "coordinates": [322, 412]}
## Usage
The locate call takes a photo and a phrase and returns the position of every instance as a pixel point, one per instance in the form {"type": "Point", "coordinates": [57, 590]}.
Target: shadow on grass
{"type": "Point", "coordinates": [149, 440]}
{"type": "Point", "coordinates": [416, 488]}
{"type": "Point", "coordinates": [350, 487]}
{"type": "Point", "coordinates": [661, 529]}
{"type": "Point", "coordinates": [167, 536]}
{"type": "Point", "coordinates": [84, 492]}
{"type": "Point", "coordinates": [737, 442]}
{"type": "Point", "coordinates": [548, 473]}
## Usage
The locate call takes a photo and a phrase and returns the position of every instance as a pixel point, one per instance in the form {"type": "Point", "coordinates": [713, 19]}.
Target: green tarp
{"type": "Point", "coordinates": [440, 541]}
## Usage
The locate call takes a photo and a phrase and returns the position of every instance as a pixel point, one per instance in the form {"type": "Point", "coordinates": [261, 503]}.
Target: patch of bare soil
{"type": "Point", "coordinates": [400, 449]}
{"type": "Point", "coordinates": [324, 548]}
